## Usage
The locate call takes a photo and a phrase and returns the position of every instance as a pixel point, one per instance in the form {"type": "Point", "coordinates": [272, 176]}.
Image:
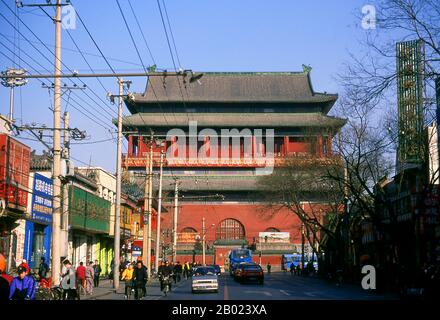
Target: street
{"type": "Point", "coordinates": [277, 286]}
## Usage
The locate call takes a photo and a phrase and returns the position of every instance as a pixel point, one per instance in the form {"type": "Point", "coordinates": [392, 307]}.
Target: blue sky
{"type": "Point", "coordinates": [223, 35]}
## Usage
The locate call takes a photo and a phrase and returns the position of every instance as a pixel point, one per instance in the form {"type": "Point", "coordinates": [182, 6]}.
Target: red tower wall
{"type": "Point", "coordinates": [254, 217]}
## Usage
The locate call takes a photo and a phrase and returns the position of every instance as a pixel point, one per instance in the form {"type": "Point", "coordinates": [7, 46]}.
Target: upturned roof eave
{"type": "Point", "coordinates": [318, 98]}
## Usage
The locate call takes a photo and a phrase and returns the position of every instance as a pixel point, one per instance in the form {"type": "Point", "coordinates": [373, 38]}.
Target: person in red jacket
{"type": "Point", "coordinates": [81, 278]}
{"type": "Point", "coordinates": [25, 265]}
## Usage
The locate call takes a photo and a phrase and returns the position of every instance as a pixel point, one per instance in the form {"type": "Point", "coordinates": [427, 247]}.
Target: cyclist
{"type": "Point", "coordinates": [127, 276]}
{"type": "Point", "coordinates": [164, 270]}
{"type": "Point", "coordinates": [140, 278]}
{"type": "Point", "coordinates": [22, 287]}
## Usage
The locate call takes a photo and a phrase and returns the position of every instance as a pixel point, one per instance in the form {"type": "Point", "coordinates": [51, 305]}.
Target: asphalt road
{"type": "Point", "coordinates": [278, 286]}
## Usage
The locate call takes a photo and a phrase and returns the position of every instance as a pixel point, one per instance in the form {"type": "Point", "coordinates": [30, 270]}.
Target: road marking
{"type": "Point", "coordinates": [310, 294]}
{"type": "Point", "coordinates": [263, 292]}
{"type": "Point", "coordinates": [226, 295]}
{"type": "Point", "coordinates": [285, 292]}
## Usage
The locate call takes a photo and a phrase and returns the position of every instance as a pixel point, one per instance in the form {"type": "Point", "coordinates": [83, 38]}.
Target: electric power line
{"type": "Point", "coordinates": [142, 33]}
{"type": "Point", "coordinates": [171, 32]}
{"type": "Point", "coordinates": [35, 61]}
{"type": "Point", "coordinates": [84, 52]}
{"type": "Point", "coordinates": [105, 126]}
{"type": "Point", "coordinates": [39, 41]}
{"type": "Point", "coordinates": [143, 65]}
{"type": "Point", "coordinates": [172, 56]}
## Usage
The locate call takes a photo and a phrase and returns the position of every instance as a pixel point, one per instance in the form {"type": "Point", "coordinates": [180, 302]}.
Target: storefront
{"type": "Point", "coordinates": [37, 243]}
{"type": "Point", "coordinates": [38, 232]}
{"type": "Point", "coordinates": [89, 221]}
{"type": "Point", "coordinates": [11, 241]}
{"type": "Point", "coordinates": [14, 181]}
{"type": "Point", "coordinates": [126, 242]}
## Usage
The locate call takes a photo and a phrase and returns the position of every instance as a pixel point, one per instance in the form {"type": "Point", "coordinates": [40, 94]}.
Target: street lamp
{"type": "Point", "coordinates": [16, 81]}
{"type": "Point", "coordinates": [204, 240]}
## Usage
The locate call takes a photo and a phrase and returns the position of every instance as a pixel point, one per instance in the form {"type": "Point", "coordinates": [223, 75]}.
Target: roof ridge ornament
{"type": "Point", "coordinates": [306, 68]}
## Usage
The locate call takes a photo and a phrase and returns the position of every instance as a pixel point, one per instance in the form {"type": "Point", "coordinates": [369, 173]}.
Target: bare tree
{"type": "Point", "coordinates": [301, 184]}
{"type": "Point", "coordinates": [374, 75]}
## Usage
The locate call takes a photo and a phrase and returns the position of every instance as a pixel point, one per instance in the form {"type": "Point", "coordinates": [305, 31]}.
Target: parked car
{"type": "Point", "coordinates": [249, 272]}
{"type": "Point", "coordinates": [204, 279]}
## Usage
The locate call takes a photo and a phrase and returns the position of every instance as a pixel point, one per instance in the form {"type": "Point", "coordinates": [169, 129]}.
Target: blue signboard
{"type": "Point", "coordinates": [42, 199]}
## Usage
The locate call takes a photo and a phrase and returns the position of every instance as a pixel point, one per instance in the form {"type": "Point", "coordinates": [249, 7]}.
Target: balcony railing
{"type": "Point", "coordinates": [276, 160]}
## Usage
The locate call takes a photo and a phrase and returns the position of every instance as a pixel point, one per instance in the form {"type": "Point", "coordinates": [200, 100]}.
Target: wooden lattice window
{"type": "Point", "coordinates": [230, 229]}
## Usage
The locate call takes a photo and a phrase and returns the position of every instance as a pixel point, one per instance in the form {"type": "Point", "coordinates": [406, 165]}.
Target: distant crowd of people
{"type": "Point", "coordinates": [81, 280]}
{"type": "Point", "coordinates": [135, 275]}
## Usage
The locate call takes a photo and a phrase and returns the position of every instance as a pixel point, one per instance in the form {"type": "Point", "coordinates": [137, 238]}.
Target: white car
{"type": "Point", "coordinates": [204, 279]}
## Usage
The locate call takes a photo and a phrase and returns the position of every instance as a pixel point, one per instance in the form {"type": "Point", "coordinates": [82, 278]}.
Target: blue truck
{"type": "Point", "coordinates": [236, 256]}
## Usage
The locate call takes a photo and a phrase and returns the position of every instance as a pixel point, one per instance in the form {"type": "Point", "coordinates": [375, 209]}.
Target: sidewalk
{"type": "Point", "coordinates": [105, 288]}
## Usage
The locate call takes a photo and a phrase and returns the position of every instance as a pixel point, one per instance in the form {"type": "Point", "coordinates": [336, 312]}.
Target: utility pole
{"type": "Point", "coordinates": [117, 243]}
{"type": "Point", "coordinates": [65, 214]}
{"type": "Point", "coordinates": [150, 205]}
{"type": "Point", "coordinates": [176, 203]}
{"type": "Point", "coordinates": [203, 241]}
{"type": "Point", "coordinates": [159, 211]}
{"type": "Point", "coordinates": [146, 205]}
{"type": "Point", "coordinates": [56, 230]}
{"type": "Point", "coordinates": [302, 246]}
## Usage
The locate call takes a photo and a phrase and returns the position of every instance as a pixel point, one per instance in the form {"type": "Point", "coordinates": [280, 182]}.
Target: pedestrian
{"type": "Point", "coordinates": [140, 278]}
{"type": "Point", "coordinates": [178, 271]}
{"type": "Point", "coordinates": [127, 276]}
{"type": "Point", "coordinates": [122, 266]}
{"type": "Point", "coordinates": [298, 269]}
{"type": "Point", "coordinates": [112, 269]}
{"type": "Point", "coordinates": [186, 270]}
{"type": "Point", "coordinates": [292, 268]}
{"type": "Point", "coordinates": [5, 279]}
{"type": "Point", "coordinates": [97, 272]}
{"type": "Point", "coordinates": [269, 267]}
{"type": "Point", "coordinates": [4, 287]}
{"type": "Point", "coordinates": [43, 269]}
{"type": "Point", "coordinates": [90, 274]}
{"type": "Point", "coordinates": [81, 278]}
{"type": "Point", "coordinates": [25, 265]}
{"type": "Point", "coordinates": [22, 287]}
{"type": "Point", "coordinates": [68, 281]}
{"type": "Point", "coordinates": [171, 266]}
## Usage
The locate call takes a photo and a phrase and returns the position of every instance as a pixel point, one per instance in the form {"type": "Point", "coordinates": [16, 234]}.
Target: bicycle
{"type": "Point", "coordinates": [138, 290]}
{"type": "Point", "coordinates": [57, 293]}
{"type": "Point", "coordinates": [130, 290]}
{"type": "Point", "coordinates": [166, 282]}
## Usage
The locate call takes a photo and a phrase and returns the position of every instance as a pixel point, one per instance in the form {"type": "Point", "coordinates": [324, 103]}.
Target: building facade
{"type": "Point", "coordinates": [93, 238]}
{"type": "Point", "coordinates": [38, 227]}
{"type": "Point", "coordinates": [14, 192]}
{"type": "Point", "coordinates": [227, 131]}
